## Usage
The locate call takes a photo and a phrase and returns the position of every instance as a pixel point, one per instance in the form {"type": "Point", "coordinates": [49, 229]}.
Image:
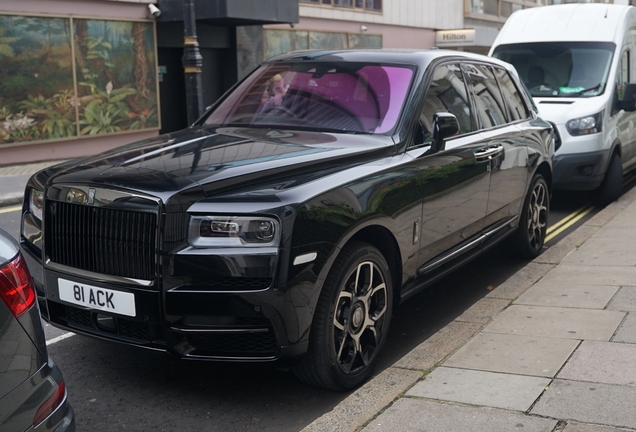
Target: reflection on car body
{"type": "Point", "coordinates": [287, 231]}
{"type": "Point", "coordinates": [32, 390]}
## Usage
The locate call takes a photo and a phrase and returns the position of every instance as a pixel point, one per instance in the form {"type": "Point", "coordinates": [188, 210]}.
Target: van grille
{"type": "Point", "coordinates": [114, 242]}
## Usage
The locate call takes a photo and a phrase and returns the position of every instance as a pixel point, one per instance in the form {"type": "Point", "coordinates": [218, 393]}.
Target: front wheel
{"type": "Point", "coordinates": [528, 241]}
{"type": "Point", "coordinates": [351, 321]}
{"type": "Point", "coordinates": [612, 186]}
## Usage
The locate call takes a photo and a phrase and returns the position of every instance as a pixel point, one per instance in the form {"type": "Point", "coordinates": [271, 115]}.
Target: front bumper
{"type": "Point", "coordinates": [182, 318]}
{"type": "Point", "coordinates": [580, 171]}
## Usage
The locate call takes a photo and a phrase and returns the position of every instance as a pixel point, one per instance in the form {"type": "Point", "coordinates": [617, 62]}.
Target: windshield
{"type": "Point", "coordinates": [347, 97]}
{"type": "Point", "coordinates": [560, 69]}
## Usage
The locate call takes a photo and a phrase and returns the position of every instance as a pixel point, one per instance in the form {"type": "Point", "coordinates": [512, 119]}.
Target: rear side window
{"type": "Point", "coordinates": [515, 106]}
{"type": "Point", "coordinates": [447, 93]}
{"type": "Point", "coordinates": [488, 101]}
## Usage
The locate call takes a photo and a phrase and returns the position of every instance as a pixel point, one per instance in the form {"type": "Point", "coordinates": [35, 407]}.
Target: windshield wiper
{"type": "Point", "coordinates": [578, 92]}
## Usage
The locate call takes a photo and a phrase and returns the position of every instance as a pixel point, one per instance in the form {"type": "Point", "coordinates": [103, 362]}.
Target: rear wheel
{"type": "Point", "coordinates": [612, 185]}
{"type": "Point", "coordinates": [351, 321]}
{"type": "Point", "coordinates": [528, 241]}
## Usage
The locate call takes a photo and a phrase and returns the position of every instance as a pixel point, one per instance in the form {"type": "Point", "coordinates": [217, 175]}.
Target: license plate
{"type": "Point", "coordinates": [108, 300]}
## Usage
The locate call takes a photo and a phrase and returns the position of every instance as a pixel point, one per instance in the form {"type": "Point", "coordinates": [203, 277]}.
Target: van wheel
{"type": "Point", "coordinates": [528, 240]}
{"type": "Point", "coordinates": [351, 321]}
{"type": "Point", "coordinates": [612, 186]}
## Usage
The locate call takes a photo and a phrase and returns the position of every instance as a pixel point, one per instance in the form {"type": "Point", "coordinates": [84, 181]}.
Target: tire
{"type": "Point", "coordinates": [528, 240]}
{"type": "Point", "coordinates": [612, 186]}
{"type": "Point", "coordinates": [351, 321]}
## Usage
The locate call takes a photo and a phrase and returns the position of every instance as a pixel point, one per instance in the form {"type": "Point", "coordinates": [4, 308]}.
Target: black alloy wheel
{"type": "Point", "coordinates": [528, 241]}
{"type": "Point", "coordinates": [351, 321]}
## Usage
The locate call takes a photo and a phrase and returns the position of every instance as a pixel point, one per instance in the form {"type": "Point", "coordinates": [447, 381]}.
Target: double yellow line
{"type": "Point", "coordinates": [572, 218]}
{"type": "Point", "coordinates": [10, 209]}
{"type": "Point", "coordinates": [567, 222]}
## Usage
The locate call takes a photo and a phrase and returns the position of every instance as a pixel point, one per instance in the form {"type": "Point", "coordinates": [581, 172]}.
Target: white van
{"type": "Point", "coordinates": [578, 61]}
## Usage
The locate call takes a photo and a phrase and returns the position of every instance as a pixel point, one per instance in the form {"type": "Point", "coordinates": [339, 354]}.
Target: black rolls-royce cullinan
{"type": "Point", "coordinates": [287, 222]}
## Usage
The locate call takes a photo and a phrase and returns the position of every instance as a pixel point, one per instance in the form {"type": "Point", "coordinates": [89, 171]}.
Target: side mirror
{"type": "Point", "coordinates": [444, 125]}
{"type": "Point", "coordinates": [628, 103]}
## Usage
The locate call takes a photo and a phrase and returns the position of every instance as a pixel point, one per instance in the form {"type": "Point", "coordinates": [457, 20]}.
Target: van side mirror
{"type": "Point", "coordinates": [444, 125]}
{"type": "Point", "coordinates": [628, 103]}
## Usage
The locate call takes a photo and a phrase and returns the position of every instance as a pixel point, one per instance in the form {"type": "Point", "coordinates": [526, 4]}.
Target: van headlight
{"type": "Point", "coordinates": [36, 203]}
{"type": "Point", "coordinates": [233, 231]}
{"type": "Point", "coordinates": [585, 125]}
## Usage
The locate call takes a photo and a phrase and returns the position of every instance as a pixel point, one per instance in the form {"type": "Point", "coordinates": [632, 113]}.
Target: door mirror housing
{"type": "Point", "coordinates": [444, 125]}
{"type": "Point", "coordinates": [628, 103]}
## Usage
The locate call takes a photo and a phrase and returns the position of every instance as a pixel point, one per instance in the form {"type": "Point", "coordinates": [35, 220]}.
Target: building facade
{"type": "Point", "coordinates": [82, 76]}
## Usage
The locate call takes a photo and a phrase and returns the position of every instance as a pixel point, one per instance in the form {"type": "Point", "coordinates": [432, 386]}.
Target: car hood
{"type": "Point", "coordinates": [202, 162]}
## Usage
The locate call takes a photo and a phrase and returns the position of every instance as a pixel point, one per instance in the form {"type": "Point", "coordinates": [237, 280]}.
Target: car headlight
{"type": "Point", "coordinates": [36, 203]}
{"type": "Point", "coordinates": [233, 231]}
{"type": "Point", "coordinates": [585, 125]}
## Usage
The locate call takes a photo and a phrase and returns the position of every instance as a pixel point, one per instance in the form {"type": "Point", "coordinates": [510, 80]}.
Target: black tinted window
{"type": "Point", "coordinates": [516, 108]}
{"type": "Point", "coordinates": [447, 93]}
{"type": "Point", "coordinates": [488, 100]}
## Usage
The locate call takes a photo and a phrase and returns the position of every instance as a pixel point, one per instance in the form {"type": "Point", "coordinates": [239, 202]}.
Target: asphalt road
{"type": "Point", "coordinates": [115, 387]}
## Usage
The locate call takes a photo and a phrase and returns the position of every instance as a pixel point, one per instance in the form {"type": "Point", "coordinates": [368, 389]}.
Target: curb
{"type": "Point", "coordinates": [376, 395]}
{"type": "Point", "coordinates": [11, 199]}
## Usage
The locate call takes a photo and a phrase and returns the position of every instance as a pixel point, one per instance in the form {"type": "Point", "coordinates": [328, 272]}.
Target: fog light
{"type": "Point", "coordinates": [586, 170]}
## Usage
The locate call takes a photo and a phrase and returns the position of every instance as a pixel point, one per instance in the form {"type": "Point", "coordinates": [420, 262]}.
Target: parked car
{"type": "Point", "coordinates": [32, 390]}
{"type": "Point", "coordinates": [576, 60]}
{"type": "Point", "coordinates": [287, 222]}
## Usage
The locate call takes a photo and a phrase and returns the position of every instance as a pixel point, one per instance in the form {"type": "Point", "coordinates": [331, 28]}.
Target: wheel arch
{"type": "Point", "coordinates": [382, 239]}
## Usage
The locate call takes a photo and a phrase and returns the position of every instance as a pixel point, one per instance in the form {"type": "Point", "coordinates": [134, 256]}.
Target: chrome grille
{"type": "Point", "coordinates": [102, 240]}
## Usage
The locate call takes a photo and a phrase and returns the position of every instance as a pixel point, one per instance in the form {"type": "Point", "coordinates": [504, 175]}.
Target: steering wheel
{"type": "Point", "coordinates": [337, 111]}
{"type": "Point", "coordinates": [274, 108]}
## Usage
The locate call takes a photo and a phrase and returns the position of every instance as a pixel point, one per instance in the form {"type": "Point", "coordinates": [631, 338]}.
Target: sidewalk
{"type": "Point", "coordinates": [13, 179]}
{"type": "Point", "coordinates": [551, 349]}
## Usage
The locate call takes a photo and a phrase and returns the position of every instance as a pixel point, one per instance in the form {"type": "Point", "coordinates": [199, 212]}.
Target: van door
{"type": "Point", "coordinates": [625, 119]}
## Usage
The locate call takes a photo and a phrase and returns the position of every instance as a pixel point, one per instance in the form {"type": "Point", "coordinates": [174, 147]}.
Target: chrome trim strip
{"type": "Point", "coordinates": [444, 259]}
{"type": "Point", "coordinates": [220, 331]}
{"type": "Point", "coordinates": [97, 277]}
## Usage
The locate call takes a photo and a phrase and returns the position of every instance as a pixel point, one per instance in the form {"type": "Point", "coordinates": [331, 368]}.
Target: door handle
{"type": "Point", "coordinates": [487, 153]}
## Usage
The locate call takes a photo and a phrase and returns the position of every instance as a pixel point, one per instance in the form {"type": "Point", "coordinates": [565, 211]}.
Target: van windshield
{"type": "Point", "coordinates": [560, 69]}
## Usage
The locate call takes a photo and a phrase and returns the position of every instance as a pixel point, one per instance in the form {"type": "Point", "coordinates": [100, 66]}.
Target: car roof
{"type": "Point", "coordinates": [396, 56]}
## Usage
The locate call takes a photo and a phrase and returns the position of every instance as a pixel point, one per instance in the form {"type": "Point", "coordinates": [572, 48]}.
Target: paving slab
{"type": "Point", "coordinates": [520, 355]}
{"type": "Point", "coordinates": [555, 322]}
{"type": "Point", "coordinates": [408, 415]}
{"type": "Point", "coordinates": [567, 295]}
{"type": "Point", "coordinates": [611, 246]}
{"type": "Point", "coordinates": [507, 391]}
{"type": "Point", "coordinates": [521, 281]}
{"type": "Point", "coordinates": [621, 276]}
{"type": "Point", "coordinates": [626, 332]}
{"type": "Point", "coordinates": [484, 310]}
{"type": "Point", "coordinates": [555, 253]}
{"type": "Point", "coordinates": [605, 404]}
{"type": "Point", "coordinates": [602, 362]}
{"type": "Point", "coordinates": [624, 300]}
{"type": "Point", "coordinates": [364, 404]}
{"type": "Point", "coordinates": [587, 427]}
{"type": "Point", "coordinates": [439, 346]}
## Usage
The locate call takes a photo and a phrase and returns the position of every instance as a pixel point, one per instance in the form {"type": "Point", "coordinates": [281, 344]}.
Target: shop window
{"type": "Point", "coordinates": [105, 82]}
{"type": "Point", "coordinates": [282, 41]}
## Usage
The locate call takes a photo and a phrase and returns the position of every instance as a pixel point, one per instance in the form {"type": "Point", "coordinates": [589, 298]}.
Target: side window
{"type": "Point", "coordinates": [515, 106]}
{"type": "Point", "coordinates": [488, 100]}
{"type": "Point", "coordinates": [447, 93]}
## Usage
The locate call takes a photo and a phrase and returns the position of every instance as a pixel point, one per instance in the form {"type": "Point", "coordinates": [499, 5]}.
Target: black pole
{"type": "Point", "coordinates": [192, 62]}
